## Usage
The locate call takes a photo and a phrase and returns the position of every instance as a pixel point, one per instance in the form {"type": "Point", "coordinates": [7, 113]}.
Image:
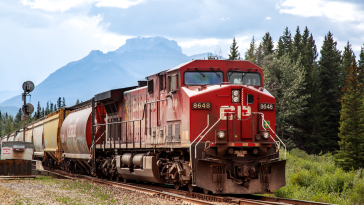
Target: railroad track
{"type": "Point", "coordinates": [186, 196]}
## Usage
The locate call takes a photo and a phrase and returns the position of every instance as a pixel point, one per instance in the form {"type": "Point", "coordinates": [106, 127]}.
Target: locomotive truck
{"type": "Point", "coordinates": [205, 123]}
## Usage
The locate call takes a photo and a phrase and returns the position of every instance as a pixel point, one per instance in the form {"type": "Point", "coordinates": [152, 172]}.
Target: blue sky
{"type": "Point", "coordinates": [39, 36]}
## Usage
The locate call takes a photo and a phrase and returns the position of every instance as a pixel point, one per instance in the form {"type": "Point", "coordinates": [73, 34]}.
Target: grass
{"type": "Point", "coordinates": [317, 178]}
{"type": "Point", "coordinates": [99, 195]}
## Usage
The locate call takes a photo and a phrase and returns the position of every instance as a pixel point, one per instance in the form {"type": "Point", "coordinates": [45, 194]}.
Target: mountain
{"type": "Point", "coordinates": [98, 72]}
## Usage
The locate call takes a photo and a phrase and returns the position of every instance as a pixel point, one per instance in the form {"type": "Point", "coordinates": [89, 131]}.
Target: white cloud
{"type": "Point", "coordinates": [65, 38]}
{"type": "Point", "coordinates": [268, 18]}
{"type": "Point", "coordinates": [118, 3]}
{"type": "Point", "coordinates": [93, 29]}
{"type": "Point", "coordinates": [337, 11]}
{"type": "Point", "coordinates": [224, 18]}
{"type": "Point", "coordinates": [64, 5]}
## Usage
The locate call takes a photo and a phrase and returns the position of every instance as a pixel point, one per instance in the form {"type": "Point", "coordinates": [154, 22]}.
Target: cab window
{"type": "Point", "coordinates": [244, 78]}
{"type": "Point", "coordinates": [203, 78]}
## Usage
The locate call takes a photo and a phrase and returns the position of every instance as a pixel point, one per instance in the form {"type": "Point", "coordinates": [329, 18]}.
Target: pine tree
{"type": "Point", "coordinates": [361, 57]}
{"type": "Point", "coordinates": [17, 121]}
{"type": "Point", "coordinates": [284, 79]}
{"type": "Point", "coordinates": [63, 102]}
{"type": "Point", "coordinates": [250, 53]}
{"type": "Point", "coordinates": [287, 41]}
{"type": "Point", "coordinates": [43, 112]}
{"type": "Point", "coordinates": [297, 45]}
{"type": "Point", "coordinates": [234, 52]}
{"type": "Point", "coordinates": [361, 64]}
{"type": "Point", "coordinates": [280, 50]}
{"type": "Point", "coordinates": [348, 56]}
{"type": "Point", "coordinates": [55, 107]}
{"type": "Point", "coordinates": [39, 110]}
{"type": "Point", "coordinates": [77, 102]}
{"type": "Point", "coordinates": [47, 111]}
{"type": "Point", "coordinates": [329, 72]}
{"type": "Point", "coordinates": [311, 139]}
{"type": "Point", "coordinates": [351, 153]}
{"type": "Point", "coordinates": [259, 55]}
{"type": "Point", "coordinates": [347, 59]}
{"type": "Point", "coordinates": [51, 108]}
{"type": "Point", "coordinates": [59, 102]}
{"type": "Point", "coordinates": [267, 44]}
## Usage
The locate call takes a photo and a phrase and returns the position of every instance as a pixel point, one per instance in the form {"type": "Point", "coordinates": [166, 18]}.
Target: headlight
{"type": "Point", "coordinates": [235, 96]}
{"type": "Point", "coordinates": [221, 134]}
{"type": "Point", "coordinates": [266, 135]}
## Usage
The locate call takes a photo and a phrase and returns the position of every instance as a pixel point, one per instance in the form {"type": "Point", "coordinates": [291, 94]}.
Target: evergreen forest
{"type": "Point", "coordinates": [319, 96]}
{"type": "Point", "coordinates": [9, 123]}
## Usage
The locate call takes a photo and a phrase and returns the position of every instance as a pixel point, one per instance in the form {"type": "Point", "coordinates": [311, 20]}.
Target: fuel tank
{"type": "Point", "coordinates": [76, 136]}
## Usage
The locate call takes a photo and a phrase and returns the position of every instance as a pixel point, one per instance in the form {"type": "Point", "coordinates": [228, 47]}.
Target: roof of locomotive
{"type": "Point", "coordinates": [231, 64]}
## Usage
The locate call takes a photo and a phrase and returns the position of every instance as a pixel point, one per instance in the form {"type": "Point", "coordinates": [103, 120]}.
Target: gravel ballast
{"type": "Point", "coordinates": [46, 190]}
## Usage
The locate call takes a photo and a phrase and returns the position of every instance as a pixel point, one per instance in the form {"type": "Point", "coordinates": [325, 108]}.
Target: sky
{"type": "Point", "coordinates": [37, 37]}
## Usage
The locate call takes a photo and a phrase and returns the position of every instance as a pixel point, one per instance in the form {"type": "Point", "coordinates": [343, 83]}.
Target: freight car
{"type": "Point", "coordinates": [204, 123]}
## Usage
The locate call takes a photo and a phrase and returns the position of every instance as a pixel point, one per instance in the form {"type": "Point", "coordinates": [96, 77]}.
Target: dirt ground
{"type": "Point", "coordinates": [46, 190]}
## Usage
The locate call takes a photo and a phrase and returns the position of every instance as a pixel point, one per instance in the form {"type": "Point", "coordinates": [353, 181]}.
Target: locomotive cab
{"type": "Point", "coordinates": [232, 120]}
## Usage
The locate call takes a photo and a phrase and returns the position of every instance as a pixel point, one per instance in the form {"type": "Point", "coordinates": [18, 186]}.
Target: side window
{"type": "Point", "coordinates": [250, 99]}
{"type": "Point", "coordinates": [173, 83]}
{"type": "Point", "coordinates": [162, 82]}
{"type": "Point", "coordinates": [150, 86]}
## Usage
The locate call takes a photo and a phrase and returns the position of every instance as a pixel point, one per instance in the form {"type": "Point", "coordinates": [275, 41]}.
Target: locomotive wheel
{"type": "Point", "coordinates": [111, 177]}
{"type": "Point", "coordinates": [177, 185]}
{"type": "Point", "coordinates": [125, 180]}
{"type": "Point", "coordinates": [117, 178]}
{"type": "Point", "coordinates": [206, 191]}
{"type": "Point", "coordinates": [190, 188]}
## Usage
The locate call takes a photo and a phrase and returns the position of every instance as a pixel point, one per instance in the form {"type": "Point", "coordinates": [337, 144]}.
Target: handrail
{"type": "Point", "coordinates": [132, 120]}
{"type": "Point", "coordinates": [97, 140]}
{"type": "Point", "coordinates": [197, 138]}
{"type": "Point", "coordinates": [227, 118]}
{"type": "Point", "coordinates": [265, 122]}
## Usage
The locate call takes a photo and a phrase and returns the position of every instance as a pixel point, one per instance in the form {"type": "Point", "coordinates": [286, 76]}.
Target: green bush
{"type": "Point", "coordinates": [317, 178]}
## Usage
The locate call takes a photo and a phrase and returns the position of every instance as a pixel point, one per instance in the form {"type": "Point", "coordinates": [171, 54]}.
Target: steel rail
{"type": "Point", "coordinates": [132, 187]}
{"type": "Point", "coordinates": [186, 196]}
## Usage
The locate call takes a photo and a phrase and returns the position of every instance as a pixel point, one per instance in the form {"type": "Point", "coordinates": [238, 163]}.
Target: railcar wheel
{"type": "Point", "coordinates": [125, 180]}
{"type": "Point", "coordinates": [190, 188]}
{"type": "Point", "coordinates": [206, 191]}
{"type": "Point", "coordinates": [177, 185]}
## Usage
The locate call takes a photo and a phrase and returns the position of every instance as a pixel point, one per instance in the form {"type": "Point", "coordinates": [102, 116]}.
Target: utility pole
{"type": "Point", "coordinates": [28, 108]}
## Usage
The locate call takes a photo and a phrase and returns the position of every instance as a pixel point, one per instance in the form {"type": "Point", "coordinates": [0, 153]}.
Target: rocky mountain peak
{"type": "Point", "coordinates": [146, 43]}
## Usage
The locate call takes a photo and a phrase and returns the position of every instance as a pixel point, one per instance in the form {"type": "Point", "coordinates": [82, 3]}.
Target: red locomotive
{"type": "Point", "coordinates": [205, 123]}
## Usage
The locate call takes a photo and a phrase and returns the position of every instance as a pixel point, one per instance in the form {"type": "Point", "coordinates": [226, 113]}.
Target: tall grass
{"type": "Point", "coordinates": [317, 178]}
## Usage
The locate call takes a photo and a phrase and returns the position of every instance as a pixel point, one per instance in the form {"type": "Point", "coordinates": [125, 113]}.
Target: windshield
{"type": "Point", "coordinates": [240, 78]}
{"type": "Point", "coordinates": [203, 77]}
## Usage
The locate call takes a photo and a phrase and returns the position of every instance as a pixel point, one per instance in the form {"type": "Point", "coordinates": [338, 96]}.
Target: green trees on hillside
{"type": "Point", "coordinates": [9, 124]}
{"type": "Point", "coordinates": [351, 153]}
{"type": "Point", "coordinates": [285, 80]}
{"type": "Point", "coordinates": [330, 72]}
{"type": "Point", "coordinates": [314, 126]}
